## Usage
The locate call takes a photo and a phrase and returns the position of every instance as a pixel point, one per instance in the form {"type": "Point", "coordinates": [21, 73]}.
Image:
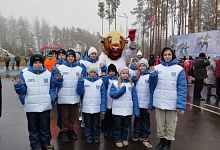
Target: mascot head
{"type": "Point", "coordinates": [114, 43]}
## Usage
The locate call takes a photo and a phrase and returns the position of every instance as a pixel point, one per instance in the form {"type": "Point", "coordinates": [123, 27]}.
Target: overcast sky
{"type": "Point", "coordinates": [67, 13]}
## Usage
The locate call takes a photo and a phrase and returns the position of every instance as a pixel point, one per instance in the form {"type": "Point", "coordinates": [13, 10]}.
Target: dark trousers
{"type": "Point", "coordinates": [39, 129]}
{"type": "Point", "coordinates": [59, 117]}
{"type": "Point", "coordinates": [142, 125]}
{"type": "Point", "coordinates": [109, 119]}
{"type": "Point", "coordinates": [121, 128]}
{"type": "Point", "coordinates": [198, 86]}
{"type": "Point", "coordinates": [92, 123]}
{"type": "Point", "coordinates": [218, 86]}
{"type": "Point", "coordinates": [7, 64]}
{"type": "Point", "coordinates": [18, 64]}
{"type": "Point", "coordinates": [68, 112]}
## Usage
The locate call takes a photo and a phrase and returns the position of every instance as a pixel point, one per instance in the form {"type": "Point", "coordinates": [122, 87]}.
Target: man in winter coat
{"type": "Point", "coordinates": [200, 73]}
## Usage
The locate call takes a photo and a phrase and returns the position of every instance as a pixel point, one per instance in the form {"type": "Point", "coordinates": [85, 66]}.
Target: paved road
{"type": "Point", "coordinates": [198, 129]}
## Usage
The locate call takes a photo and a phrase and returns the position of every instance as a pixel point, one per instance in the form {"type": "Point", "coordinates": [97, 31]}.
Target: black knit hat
{"type": "Point", "coordinates": [61, 51]}
{"type": "Point", "coordinates": [112, 67]}
{"type": "Point", "coordinates": [36, 57]}
{"type": "Point", "coordinates": [70, 51]}
{"type": "Point", "coordinates": [202, 55]}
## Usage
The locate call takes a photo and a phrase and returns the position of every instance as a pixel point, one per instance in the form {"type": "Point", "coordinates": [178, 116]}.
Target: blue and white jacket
{"type": "Point", "coordinates": [36, 89]}
{"type": "Point", "coordinates": [108, 80]}
{"type": "Point", "coordinates": [125, 99]}
{"type": "Point", "coordinates": [94, 94]}
{"type": "Point", "coordinates": [67, 85]}
{"type": "Point", "coordinates": [171, 89]}
{"type": "Point", "coordinates": [145, 86]}
{"type": "Point", "coordinates": [88, 62]}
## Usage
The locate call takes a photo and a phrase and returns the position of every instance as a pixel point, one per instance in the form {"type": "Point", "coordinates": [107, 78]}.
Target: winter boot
{"type": "Point", "coordinates": [73, 135]}
{"type": "Point", "coordinates": [49, 147]}
{"type": "Point", "coordinates": [107, 133]}
{"type": "Point", "coordinates": [160, 145]}
{"type": "Point", "coordinates": [65, 137]}
{"type": "Point", "coordinates": [166, 145]}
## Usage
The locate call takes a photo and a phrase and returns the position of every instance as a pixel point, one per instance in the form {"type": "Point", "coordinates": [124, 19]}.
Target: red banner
{"type": "Point", "coordinates": [51, 47]}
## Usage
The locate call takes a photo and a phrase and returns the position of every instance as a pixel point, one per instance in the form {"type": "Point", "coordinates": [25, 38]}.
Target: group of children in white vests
{"type": "Point", "coordinates": [117, 92]}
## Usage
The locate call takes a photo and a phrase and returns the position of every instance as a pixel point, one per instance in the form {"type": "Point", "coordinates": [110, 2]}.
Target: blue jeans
{"type": "Point", "coordinates": [209, 88]}
{"type": "Point", "coordinates": [39, 129]}
{"type": "Point", "coordinates": [121, 128]}
{"type": "Point", "coordinates": [92, 123]}
{"type": "Point", "coordinates": [142, 125]}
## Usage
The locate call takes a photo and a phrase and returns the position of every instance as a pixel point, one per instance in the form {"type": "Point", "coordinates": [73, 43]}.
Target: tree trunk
{"type": "Point", "coordinates": [190, 18]}
{"type": "Point", "coordinates": [216, 15]}
{"type": "Point", "coordinates": [198, 21]}
{"type": "Point", "coordinates": [193, 20]}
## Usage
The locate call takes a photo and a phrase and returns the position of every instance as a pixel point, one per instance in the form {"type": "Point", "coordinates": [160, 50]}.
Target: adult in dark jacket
{"type": "Point", "coordinates": [151, 60]}
{"type": "Point", "coordinates": [218, 79]}
{"type": "Point", "coordinates": [200, 73]}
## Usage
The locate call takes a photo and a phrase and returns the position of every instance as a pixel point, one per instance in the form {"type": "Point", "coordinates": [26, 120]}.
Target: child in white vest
{"type": "Point", "coordinates": [36, 90]}
{"type": "Point", "coordinates": [68, 99]}
{"type": "Point", "coordinates": [123, 93]}
{"type": "Point", "coordinates": [94, 102]}
{"type": "Point", "coordinates": [92, 59]}
{"type": "Point", "coordinates": [108, 80]}
{"type": "Point", "coordinates": [143, 85]}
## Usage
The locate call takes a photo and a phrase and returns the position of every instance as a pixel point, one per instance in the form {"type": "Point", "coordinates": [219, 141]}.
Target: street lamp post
{"type": "Point", "coordinates": [125, 16]}
{"type": "Point", "coordinates": [126, 23]}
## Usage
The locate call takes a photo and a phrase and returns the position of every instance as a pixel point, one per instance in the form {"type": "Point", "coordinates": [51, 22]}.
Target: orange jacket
{"type": "Point", "coordinates": [49, 63]}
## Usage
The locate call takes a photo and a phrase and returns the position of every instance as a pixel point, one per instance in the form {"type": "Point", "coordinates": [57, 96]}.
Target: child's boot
{"type": "Point", "coordinates": [160, 145]}
{"type": "Point", "coordinates": [65, 137]}
{"type": "Point", "coordinates": [167, 144]}
{"type": "Point", "coordinates": [49, 147]}
{"type": "Point", "coordinates": [125, 143]}
{"type": "Point", "coordinates": [119, 144]}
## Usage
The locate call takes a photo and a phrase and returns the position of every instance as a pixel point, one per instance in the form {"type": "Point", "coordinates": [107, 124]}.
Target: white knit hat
{"type": "Point", "coordinates": [121, 68]}
{"type": "Point", "coordinates": [92, 68]}
{"type": "Point", "coordinates": [139, 53]}
{"type": "Point", "coordinates": [78, 56]}
{"type": "Point", "coordinates": [92, 50]}
{"type": "Point", "coordinates": [144, 61]}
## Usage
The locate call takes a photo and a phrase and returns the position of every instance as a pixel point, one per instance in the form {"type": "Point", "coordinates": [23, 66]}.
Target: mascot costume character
{"type": "Point", "coordinates": [114, 43]}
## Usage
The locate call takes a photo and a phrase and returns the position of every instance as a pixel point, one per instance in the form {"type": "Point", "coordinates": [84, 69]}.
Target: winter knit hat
{"type": "Point", "coordinates": [202, 55]}
{"type": "Point", "coordinates": [77, 56]}
{"type": "Point", "coordinates": [121, 68]}
{"type": "Point", "coordinates": [70, 51]}
{"type": "Point", "coordinates": [92, 68]}
{"type": "Point", "coordinates": [36, 57]}
{"type": "Point", "coordinates": [112, 67]}
{"type": "Point", "coordinates": [61, 51]}
{"type": "Point", "coordinates": [144, 61]}
{"type": "Point", "coordinates": [92, 50]}
{"type": "Point", "coordinates": [139, 53]}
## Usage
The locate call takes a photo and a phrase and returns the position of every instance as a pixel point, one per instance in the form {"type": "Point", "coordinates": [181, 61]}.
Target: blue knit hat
{"type": "Point", "coordinates": [70, 51]}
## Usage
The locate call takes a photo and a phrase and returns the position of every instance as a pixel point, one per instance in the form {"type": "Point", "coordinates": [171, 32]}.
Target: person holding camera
{"type": "Point", "coordinates": [200, 73]}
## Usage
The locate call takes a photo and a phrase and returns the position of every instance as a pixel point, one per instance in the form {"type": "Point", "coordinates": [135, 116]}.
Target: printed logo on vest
{"type": "Point", "coordinates": [65, 73]}
{"type": "Point", "coordinates": [130, 88]}
{"type": "Point", "coordinates": [77, 74]}
{"type": "Point", "coordinates": [146, 81]}
{"type": "Point", "coordinates": [45, 80]}
{"type": "Point", "coordinates": [87, 85]}
{"type": "Point", "coordinates": [97, 86]}
{"type": "Point", "coordinates": [173, 74]}
{"type": "Point", "coordinates": [31, 80]}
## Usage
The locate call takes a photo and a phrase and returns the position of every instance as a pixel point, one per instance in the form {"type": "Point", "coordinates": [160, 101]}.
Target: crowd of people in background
{"type": "Point", "coordinates": [69, 79]}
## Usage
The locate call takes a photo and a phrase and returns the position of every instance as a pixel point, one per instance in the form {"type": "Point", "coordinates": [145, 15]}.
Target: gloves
{"type": "Point", "coordinates": [132, 45]}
